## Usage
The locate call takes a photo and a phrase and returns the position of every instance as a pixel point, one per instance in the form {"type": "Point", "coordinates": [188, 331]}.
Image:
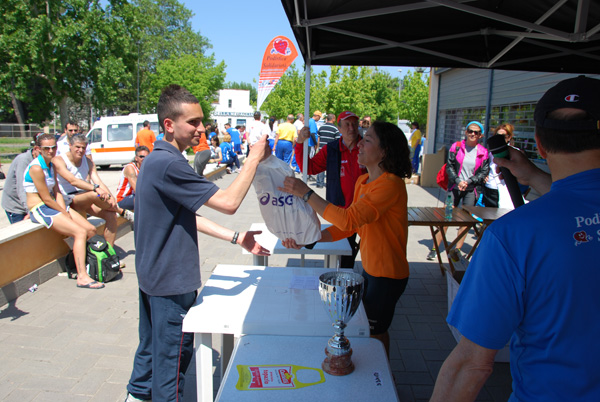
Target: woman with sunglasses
{"type": "Point", "coordinates": [47, 207]}
{"type": "Point", "coordinates": [468, 167]}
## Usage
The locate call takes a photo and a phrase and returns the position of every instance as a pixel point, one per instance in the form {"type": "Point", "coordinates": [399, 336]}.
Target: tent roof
{"type": "Point", "coordinates": [531, 35]}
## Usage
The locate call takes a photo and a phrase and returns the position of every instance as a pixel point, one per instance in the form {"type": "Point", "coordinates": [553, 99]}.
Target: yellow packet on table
{"type": "Point", "coordinates": [277, 376]}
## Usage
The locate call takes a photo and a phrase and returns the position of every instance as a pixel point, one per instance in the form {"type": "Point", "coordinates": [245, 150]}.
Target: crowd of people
{"type": "Point", "coordinates": [532, 292]}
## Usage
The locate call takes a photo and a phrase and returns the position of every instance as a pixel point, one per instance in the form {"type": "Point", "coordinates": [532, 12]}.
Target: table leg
{"type": "Point", "coordinates": [327, 262]}
{"type": "Point", "coordinates": [260, 261]}
{"type": "Point", "coordinates": [434, 231]}
{"type": "Point", "coordinates": [479, 236]}
{"type": "Point", "coordinates": [204, 377]}
{"type": "Point", "coordinates": [227, 342]}
{"type": "Point", "coordinates": [302, 260]}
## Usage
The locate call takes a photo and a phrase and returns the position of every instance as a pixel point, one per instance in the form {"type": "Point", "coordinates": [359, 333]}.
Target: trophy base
{"type": "Point", "coordinates": [338, 364]}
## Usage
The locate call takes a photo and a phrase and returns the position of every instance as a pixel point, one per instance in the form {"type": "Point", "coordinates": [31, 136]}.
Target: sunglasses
{"type": "Point", "coordinates": [141, 156]}
{"type": "Point", "coordinates": [72, 131]}
{"type": "Point", "coordinates": [47, 148]}
{"type": "Point", "coordinates": [477, 132]}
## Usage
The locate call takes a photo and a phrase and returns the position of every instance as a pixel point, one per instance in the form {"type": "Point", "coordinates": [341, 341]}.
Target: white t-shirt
{"type": "Point", "coordinates": [255, 130]}
{"type": "Point", "coordinates": [298, 124]}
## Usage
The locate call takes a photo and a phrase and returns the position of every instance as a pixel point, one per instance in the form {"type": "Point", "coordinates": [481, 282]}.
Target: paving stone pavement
{"type": "Point", "coordinates": [62, 343]}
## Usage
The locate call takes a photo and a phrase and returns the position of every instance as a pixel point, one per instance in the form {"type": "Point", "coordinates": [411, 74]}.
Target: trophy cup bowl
{"type": "Point", "coordinates": [341, 293]}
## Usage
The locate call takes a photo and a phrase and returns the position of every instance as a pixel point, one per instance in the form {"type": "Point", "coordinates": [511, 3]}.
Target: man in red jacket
{"type": "Point", "coordinates": [340, 160]}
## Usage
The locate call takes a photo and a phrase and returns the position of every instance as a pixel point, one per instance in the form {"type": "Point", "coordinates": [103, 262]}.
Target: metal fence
{"type": "Point", "coordinates": [22, 130]}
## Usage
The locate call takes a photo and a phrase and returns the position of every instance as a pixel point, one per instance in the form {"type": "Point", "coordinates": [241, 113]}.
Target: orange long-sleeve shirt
{"type": "Point", "coordinates": [202, 144]}
{"type": "Point", "coordinates": [379, 215]}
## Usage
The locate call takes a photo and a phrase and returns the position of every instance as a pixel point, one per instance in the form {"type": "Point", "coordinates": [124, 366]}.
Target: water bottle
{"type": "Point", "coordinates": [448, 209]}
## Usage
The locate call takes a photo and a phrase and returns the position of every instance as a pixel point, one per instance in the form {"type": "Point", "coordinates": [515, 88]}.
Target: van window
{"type": "Point", "coordinates": [120, 132]}
{"type": "Point", "coordinates": [153, 127]}
{"type": "Point", "coordinates": [95, 135]}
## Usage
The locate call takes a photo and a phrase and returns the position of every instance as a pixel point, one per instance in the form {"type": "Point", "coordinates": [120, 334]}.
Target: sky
{"type": "Point", "coordinates": [240, 30]}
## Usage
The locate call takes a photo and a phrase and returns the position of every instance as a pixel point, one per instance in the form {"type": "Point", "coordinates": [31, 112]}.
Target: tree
{"type": "Point", "coordinates": [50, 51]}
{"type": "Point", "coordinates": [197, 73]}
{"type": "Point", "coordinates": [363, 90]}
{"type": "Point", "coordinates": [414, 98]}
{"type": "Point", "coordinates": [288, 95]}
{"type": "Point", "coordinates": [162, 31]}
{"type": "Point", "coordinates": [54, 51]}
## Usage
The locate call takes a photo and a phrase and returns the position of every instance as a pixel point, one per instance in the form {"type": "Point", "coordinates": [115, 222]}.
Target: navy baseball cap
{"type": "Point", "coordinates": [577, 93]}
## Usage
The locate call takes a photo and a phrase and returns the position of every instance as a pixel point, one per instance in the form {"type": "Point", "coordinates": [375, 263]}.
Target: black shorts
{"type": "Point", "coordinates": [380, 298]}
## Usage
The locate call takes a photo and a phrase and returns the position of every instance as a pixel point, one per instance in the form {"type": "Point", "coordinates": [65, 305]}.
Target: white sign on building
{"type": "Point", "coordinates": [233, 108]}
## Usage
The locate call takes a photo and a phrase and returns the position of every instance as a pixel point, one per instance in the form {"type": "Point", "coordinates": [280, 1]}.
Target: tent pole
{"type": "Point", "coordinates": [306, 117]}
{"type": "Point", "coordinates": [488, 106]}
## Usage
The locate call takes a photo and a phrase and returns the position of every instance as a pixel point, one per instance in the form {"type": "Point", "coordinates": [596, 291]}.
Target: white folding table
{"type": "Point", "coordinates": [242, 299]}
{"type": "Point", "coordinates": [268, 240]}
{"type": "Point", "coordinates": [371, 380]}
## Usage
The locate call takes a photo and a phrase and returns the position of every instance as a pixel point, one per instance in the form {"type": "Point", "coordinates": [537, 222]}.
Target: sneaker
{"type": "Point", "coordinates": [122, 265]}
{"type": "Point", "coordinates": [228, 171]}
{"type": "Point", "coordinates": [432, 254]}
{"type": "Point", "coordinates": [131, 398]}
{"type": "Point", "coordinates": [127, 214]}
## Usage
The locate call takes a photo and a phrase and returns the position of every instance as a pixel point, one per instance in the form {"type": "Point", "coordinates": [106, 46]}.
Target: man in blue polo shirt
{"type": "Point", "coordinates": [534, 278]}
{"type": "Point", "coordinates": [169, 194]}
{"type": "Point", "coordinates": [236, 139]}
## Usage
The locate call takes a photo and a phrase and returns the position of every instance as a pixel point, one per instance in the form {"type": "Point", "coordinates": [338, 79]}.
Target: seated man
{"type": "Point", "coordinates": [126, 187]}
{"type": "Point", "coordinates": [74, 172]}
{"type": "Point", "coordinates": [14, 199]}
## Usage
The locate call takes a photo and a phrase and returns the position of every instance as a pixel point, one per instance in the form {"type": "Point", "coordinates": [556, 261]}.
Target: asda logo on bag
{"type": "Point", "coordinates": [267, 198]}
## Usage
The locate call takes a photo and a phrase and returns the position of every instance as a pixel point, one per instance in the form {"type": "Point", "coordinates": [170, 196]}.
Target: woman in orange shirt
{"type": "Point", "coordinates": [379, 215]}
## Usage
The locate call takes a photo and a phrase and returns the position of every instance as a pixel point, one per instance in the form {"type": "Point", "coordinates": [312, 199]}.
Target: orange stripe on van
{"type": "Point", "coordinates": [121, 149]}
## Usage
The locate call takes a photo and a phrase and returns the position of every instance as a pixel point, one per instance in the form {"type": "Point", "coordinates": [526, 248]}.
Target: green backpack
{"type": "Point", "coordinates": [102, 263]}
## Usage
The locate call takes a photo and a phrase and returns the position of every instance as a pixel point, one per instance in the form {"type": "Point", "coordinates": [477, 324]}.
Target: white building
{"type": "Point", "coordinates": [233, 108]}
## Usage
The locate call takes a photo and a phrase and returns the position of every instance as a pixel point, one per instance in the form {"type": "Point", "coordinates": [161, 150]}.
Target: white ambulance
{"type": "Point", "coordinates": [112, 138]}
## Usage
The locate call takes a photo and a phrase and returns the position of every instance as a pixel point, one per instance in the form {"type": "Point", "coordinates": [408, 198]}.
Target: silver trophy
{"type": "Point", "coordinates": [341, 293]}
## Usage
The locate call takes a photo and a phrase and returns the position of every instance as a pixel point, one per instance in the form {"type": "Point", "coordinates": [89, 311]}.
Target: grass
{"type": "Point", "coordinates": [5, 160]}
{"type": "Point", "coordinates": [13, 150]}
{"type": "Point", "coordinates": [15, 140]}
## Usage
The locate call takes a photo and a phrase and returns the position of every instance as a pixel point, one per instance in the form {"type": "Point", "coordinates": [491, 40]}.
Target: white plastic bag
{"type": "Point", "coordinates": [286, 216]}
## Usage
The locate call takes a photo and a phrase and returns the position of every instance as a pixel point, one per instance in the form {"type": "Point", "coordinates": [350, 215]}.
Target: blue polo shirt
{"type": "Point", "coordinates": [235, 135]}
{"type": "Point", "coordinates": [168, 193]}
{"type": "Point", "coordinates": [534, 280]}
{"type": "Point", "coordinates": [312, 127]}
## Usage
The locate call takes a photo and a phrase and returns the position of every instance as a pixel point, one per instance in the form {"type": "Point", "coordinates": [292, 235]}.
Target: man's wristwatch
{"type": "Point", "coordinates": [96, 187]}
{"type": "Point", "coordinates": [306, 196]}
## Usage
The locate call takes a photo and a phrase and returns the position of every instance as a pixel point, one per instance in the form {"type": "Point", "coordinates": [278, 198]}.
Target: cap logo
{"type": "Point", "coordinates": [572, 98]}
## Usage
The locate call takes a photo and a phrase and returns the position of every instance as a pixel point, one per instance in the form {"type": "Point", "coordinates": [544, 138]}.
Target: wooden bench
{"type": "Point", "coordinates": [32, 254]}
